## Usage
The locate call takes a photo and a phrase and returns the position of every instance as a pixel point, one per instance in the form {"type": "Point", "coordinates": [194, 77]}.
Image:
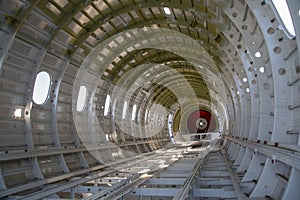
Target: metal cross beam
{"type": "Point", "coordinates": [233, 177]}
{"type": "Point", "coordinates": [170, 192]}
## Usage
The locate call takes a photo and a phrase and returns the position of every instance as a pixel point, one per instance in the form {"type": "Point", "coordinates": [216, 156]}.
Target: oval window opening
{"type": "Point", "coordinates": [41, 88]}
{"type": "Point", "coordinates": [124, 110]}
{"type": "Point", "coordinates": [107, 102]}
{"type": "Point", "coordinates": [285, 15]}
{"type": "Point", "coordinates": [133, 112]}
{"type": "Point", "coordinates": [81, 98]}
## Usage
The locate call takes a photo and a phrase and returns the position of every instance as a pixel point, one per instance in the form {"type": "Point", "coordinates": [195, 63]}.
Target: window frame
{"type": "Point", "coordinates": [283, 24]}
{"type": "Point", "coordinates": [47, 96]}
{"type": "Point", "coordinates": [106, 105]}
{"type": "Point", "coordinates": [85, 98]}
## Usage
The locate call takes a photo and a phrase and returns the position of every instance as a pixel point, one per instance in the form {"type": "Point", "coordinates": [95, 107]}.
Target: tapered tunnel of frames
{"type": "Point", "coordinates": [148, 99]}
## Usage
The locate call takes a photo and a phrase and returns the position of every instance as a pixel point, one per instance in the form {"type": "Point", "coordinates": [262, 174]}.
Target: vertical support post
{"type": "Point", "coordinates": [96, 182]}
{"type": "Point", "coordinates": [72, 193]}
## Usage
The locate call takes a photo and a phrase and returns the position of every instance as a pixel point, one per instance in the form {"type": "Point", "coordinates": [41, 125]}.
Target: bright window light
{"type": "Point", "coordinates": [262, 70]}
{"type": "Point", "coordinates": [81, 98]}
{"type": "Point", "coordinates": [167, 11]}
{"type": "Point", "coordinates": [237, 92]}
{"type": "Point", "coordinates": [133, 112]}
{"type": "Point", "coordinates": [247, 90]}
{"type": "Point", "coordinates": [257, 54]}
{"type": "Point", "coordinates": [106, 107]}
{"type": "Point", "coordinates": [245, 80]}
{"type": "Point", "coordinates": [124, 110]}
{"type": "Point", "coordinates": [146, 114]}
{"type": "Point", "coordinates": [285, 15]}
{"type": "Point", "coordinates": [41, 88]}
{"type": "Point", "coordinates": [18, 113]}
{"type": "Point", "coordinates": [170, 127]}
